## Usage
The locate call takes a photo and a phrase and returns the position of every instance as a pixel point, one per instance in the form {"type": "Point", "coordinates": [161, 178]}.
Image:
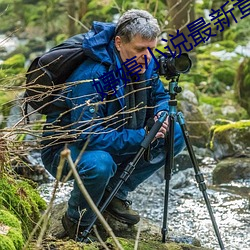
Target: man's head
{"type": "Point", "coordinates": [136, 30]}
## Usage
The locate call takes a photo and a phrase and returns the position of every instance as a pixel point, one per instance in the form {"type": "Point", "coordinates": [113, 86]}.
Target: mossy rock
{"type": "Point", "coordinates": [232, 139]}
{"type": "Point", "coordinates": [22, 200]}
{"type": "Point", "coordinates": [219, 107]}
{"type": "Point", "coordinates": [10, 231]}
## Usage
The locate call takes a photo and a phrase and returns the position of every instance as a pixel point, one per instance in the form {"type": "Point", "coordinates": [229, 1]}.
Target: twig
{"type": "Point", "coordinates": [77, 21]}
{"type": "Point", "coordinates": [137, 236]}
{"type": "Point", "coordinates": [99, 238]}
{"type": "Point", "coordinates": [66, 154]}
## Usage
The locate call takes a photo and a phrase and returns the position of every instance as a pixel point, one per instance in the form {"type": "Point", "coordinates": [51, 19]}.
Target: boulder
{"type": "Point", "coordinates": [231, 139]}
{"type": "Point", "coordinates": [231, 169]}
{"type": "Point", "coordinates": [150, 235]}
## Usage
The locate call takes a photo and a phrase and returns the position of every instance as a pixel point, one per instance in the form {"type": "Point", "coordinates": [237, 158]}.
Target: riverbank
{"type": "Point", "coordinates": [188, 215]}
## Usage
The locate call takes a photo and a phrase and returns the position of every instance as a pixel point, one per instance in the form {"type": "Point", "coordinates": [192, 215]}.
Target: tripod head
{"type": "Point", "coordinates": [174, 89]}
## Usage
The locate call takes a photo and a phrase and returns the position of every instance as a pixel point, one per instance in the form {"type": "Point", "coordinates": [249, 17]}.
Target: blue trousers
{"type": "Point", "coordinates": [100, 170]}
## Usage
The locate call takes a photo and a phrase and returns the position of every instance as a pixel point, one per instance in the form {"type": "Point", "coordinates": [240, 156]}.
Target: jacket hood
{"type": "Point", "coordinates": [98, 43]}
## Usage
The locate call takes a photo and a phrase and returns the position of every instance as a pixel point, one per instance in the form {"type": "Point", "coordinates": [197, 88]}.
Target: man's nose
{"type": "Point", "coordinates": [147, 55]}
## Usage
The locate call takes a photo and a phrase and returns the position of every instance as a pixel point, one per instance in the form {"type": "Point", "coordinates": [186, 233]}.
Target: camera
{"type": "Point", "coordinates": [171, 67]}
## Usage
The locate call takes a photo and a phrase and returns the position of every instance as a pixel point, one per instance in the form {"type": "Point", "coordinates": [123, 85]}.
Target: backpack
{"type": "Point", "coordinates": [48, 73]}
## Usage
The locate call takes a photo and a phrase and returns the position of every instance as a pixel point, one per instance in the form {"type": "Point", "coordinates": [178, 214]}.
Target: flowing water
{"type": "Point", "coordinates": [187, 212]}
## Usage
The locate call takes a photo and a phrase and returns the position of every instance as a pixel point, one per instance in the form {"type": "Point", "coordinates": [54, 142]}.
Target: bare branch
{"type": "Point", "coordinates": [66, 154]}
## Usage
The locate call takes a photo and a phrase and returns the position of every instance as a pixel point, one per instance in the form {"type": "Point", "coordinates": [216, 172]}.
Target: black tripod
{"type": "Point", "coordinates": [173, 90]}
{"type": "Point", "coordinates": [169, 163]}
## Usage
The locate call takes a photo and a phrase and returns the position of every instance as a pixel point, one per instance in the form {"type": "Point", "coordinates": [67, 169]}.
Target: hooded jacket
{"type": "Point", "coordinates": [90, 119]}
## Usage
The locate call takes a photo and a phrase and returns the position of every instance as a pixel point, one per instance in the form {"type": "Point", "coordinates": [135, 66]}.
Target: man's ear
{"type": "Point", "coordinates": [118, 43]}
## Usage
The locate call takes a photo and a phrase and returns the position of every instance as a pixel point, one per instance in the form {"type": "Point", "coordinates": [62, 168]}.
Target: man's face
{"type": "Point", "coordinates": [136, 47]}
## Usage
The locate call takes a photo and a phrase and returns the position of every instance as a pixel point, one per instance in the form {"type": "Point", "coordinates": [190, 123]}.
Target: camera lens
{"type": "Point", "coordinates": [183, 63]}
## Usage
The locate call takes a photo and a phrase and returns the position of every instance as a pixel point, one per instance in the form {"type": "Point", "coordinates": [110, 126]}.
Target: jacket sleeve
{"type": "Point", "coordinates": [87, 117]}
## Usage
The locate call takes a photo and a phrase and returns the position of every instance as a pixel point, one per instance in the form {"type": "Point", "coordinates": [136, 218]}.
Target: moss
{"type": "Point", "coordinates": [214, 101]}
{"type": "Point", "coordinates": [236, 125]}
{"type": "Point", "coordinates": [228, 45]}
{"type": "Point", "coordinates": [128, 244]}
{"type": "Point", "coordinates": [16, 61]}
{"type": "Point", "coordinates": [13, 239]}
{"type": "Point", "coordinates": [221, 132]}
{"type": "Point", "coordinates": [225, 75]}
{"type": "Point", "coordinates": [16, 237]}
{"type": "Point", "coordinates": [219, 102]}
{"type": "Point", "coordinates": [22, 200]}
{"type": "Point", "coordinates": [9, 219]}
{"type": "Point", "coordinates": [6, 243]}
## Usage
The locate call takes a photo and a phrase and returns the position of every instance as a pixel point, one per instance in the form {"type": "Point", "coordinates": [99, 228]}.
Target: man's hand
{"type": "Point", "coordinates": [164, 128]}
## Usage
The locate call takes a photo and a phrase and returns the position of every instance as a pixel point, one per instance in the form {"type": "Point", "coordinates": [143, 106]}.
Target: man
{"type": "Point", "coordinates": [110, 125]}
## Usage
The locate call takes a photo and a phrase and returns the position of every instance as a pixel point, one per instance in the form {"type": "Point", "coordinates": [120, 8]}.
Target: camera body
{"type": "Point", "coordinates": [171, 67]}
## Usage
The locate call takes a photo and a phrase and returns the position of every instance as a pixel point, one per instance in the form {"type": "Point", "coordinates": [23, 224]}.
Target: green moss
{"type": "Point", "coordinates": [228, 45]}
{"type": "Point", "coordinates": [225, 75]}
{"type": "Point", "coordinates": [236, 125]}
{"type": "Point", "coordinates": [22, 200]}
{"type": "Point", "coordinates": [13, 239]}
{"type": "Point", "coordinates": [6, 243]}
{"type": "Point", "coordinates": [16, 61]}
{"type": "Point", "coordinates": [9, 219]}
{"type": "Point", "coordinates": [239, 128]}
{"type": "Point", "coordinates": [212, 100]}
{"type": "Point", "coordinates": [128, 244]}
{"type": "Point", "coordinates": [16, 237]}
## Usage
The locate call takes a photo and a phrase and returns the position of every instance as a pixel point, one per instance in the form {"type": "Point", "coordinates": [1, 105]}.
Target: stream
{"type": "Point", "coordinates": [187, 212]}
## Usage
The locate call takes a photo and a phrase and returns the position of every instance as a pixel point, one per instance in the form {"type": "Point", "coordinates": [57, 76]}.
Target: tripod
{"type": "Point", "coordinates": [173, 90]}
{"type": "Point", "coordinates": [169, 163]}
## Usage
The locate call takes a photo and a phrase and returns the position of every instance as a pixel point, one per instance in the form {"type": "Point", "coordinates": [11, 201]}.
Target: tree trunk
{"type": "Point", "coordinates": [72, 13]}
{"type": "Point", "coordinates": [181, 13]}
{"type": "Point", "coordinates": [83, 8]}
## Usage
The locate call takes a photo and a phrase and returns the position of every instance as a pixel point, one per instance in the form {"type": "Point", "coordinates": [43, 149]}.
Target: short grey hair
{"type": "Point", "coordinates": [137, 22]}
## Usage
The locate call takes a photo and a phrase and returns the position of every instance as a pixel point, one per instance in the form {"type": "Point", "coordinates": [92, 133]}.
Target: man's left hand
{"type": "Point", "coordinates": [164, 128]}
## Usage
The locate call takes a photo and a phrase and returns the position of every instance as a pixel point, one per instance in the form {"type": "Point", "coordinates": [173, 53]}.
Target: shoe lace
{"type": "Point", "coordinates": [127, 203]}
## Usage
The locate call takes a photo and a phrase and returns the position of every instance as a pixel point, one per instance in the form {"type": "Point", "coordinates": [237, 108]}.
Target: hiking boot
{"type": "Point", "coordinates": [75, 231]}
{"type": "Point", "coordinates": [121, 211]}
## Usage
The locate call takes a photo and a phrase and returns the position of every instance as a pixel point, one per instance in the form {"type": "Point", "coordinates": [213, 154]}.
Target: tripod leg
{"type": "Point", "coordinates": [199, 177]}
{"type": "Point", "coordinates": [168, 173]}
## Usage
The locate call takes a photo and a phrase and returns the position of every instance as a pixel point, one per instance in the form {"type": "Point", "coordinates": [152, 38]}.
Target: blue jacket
{"type": "Point", "coordinates": [88, 118]}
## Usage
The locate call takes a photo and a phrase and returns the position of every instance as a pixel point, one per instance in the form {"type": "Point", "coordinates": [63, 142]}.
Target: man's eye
{"type": "Point", "coordinates": [140, 50]}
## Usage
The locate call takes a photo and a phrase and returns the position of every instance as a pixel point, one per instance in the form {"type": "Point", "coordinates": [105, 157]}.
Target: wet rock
{"type": "Point", "coordinates": [181, 179]}
{"type": "Point", "coordinates": [231, 169]}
